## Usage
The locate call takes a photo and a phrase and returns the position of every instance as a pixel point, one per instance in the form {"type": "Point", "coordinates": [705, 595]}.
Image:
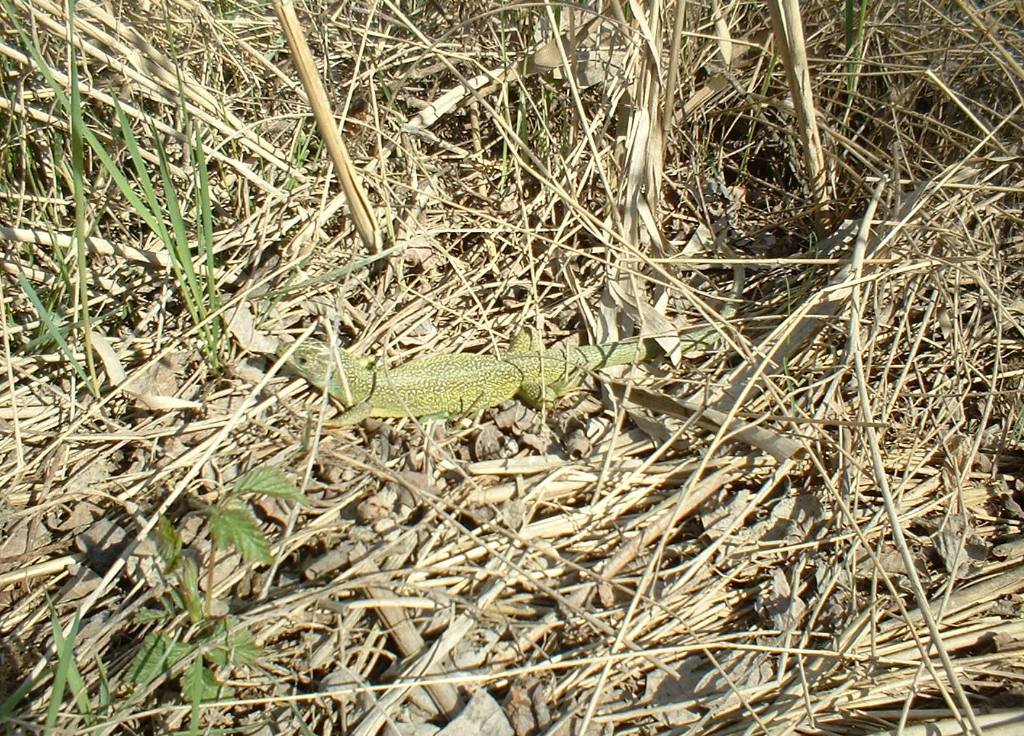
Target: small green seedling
{"type": "Point", "coordinates": [206, 643]}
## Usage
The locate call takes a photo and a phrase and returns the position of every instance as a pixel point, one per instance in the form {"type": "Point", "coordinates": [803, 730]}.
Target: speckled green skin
{"type": "Point", "coordinates": [443, 386]}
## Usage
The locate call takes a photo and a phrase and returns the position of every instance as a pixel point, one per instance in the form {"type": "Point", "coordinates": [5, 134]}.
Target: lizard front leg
{"type": "Point", "coordinates": [546, 376]}
{"type": "Point", "coordinates": [352, 415]}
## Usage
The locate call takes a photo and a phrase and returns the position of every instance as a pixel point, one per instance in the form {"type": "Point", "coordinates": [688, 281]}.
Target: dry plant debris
{"type": "Point", "coordinates": [815, 527]}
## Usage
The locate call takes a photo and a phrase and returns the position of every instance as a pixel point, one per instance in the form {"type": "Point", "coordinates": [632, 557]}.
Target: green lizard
{"type": "Point", "coordinates": [444, 386]}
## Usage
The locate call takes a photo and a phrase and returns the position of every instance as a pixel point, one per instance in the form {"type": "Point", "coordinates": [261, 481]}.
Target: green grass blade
{"type": "Point", "coordinates": [14, 699]}
{"type": "Point", "coordinates": [180, 251]}
{"type": "Point", "coordinates": [205, 207]}
{"type": "Point", "coordinates": [77, 125]}
{"type": "Point", "coordinates": [176, 242]}
{"type": "Point", "coordinates": [854, 15]}
{"type": "Point", "coordinates": [152, 206]}
{"type": "Point", "coordinates": [75, 681]}
{"type": "Point", "coordinates": [65, 664]}
{"type": "Point", "coordinates": [51, 327]}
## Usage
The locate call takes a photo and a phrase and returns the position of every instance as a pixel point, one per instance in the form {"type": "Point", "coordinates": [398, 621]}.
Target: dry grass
{"type": "Point", "coordinates": [813, 528]}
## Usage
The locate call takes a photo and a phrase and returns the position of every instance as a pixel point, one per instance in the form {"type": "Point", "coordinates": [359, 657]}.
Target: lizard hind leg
{"type": "Point", "coordinates": [553, 386]}
{"type": "Point", "coordinates": [535, 395]}
{"type": "Point", "coordinates": [527, 343]}
{"type": "Point", "coordinates": [547, 374]}
{"type": "Point", "coordinates": [547, 377]}
{"type": "Point", "coordinates": [527, 340]}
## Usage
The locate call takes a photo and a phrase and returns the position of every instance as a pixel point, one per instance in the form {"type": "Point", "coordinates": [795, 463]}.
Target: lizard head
{"type": "Point", "coordinates": [311, 360]}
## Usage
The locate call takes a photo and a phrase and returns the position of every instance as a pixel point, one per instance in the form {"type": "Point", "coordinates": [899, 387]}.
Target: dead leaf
{"type": "Point", "coordinates": [719, 517]}
{"type": "Point", "coordinates": [548, 58]}
{"type": "Point", "coordinates": [84, 582]}
{"type": "Point", "coordinates": [82, 514]}
{"type": "Point", "coordinates": [514, 417]}
{"type": "Point", "coordinates": [708, 685]}
{"type": "Point", "coordinates": [962, 551]}
{"type": "Point", "coordinates": [668, 692]}
{"type": "Point", "coordinates": [779, 603]}
{"type": "Point", "coordinates": [376, 507]}
{"type": "Point", "coordinates": [482, 715]}
{"type": "Point", "coordinates": [241, 323]}
{"type": "Point", "coordinates": [21, 540]}
{"type": "Point", "coordinates": [535, 442]}
{"type": "Point", "coordinates": [420, 251]}
{"type": "Point", "coordinates": [333, 559]}
{"type": "Point", "coordinates": [156, 385]}
{"type": "Point", "coordinates": [792, 520]}
{"type": "Point", "coordinates": [578, 445]}
{"type": "Point", "coordinates": [474, 649]}
{"type": "Point", "coordinates": [489, 443]}
{"type": "Point", "coordinates": [111, 363]}
{"type": "Point", "coordinates": [527, 706]}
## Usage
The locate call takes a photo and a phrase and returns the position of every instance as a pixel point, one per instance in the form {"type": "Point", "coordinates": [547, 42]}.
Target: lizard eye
{"type": "Point", "coordinates": [308, 358]}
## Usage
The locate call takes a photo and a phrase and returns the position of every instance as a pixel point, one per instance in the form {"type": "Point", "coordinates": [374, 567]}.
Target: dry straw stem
{"type": "Point", "coordinates": [811, 528]}
{"type": "Point", "coordinates": [359, 204]}
{"type": "Point", "coordinates": [789, 37]}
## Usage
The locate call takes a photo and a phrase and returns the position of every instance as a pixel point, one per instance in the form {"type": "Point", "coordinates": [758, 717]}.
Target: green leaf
{"type": "Point", "coordinates": [235, 526]}
{"type": "Point", "coordinates": [103, 694]}
{"type": "Point", "coordinates": [218, 644]}
{"type": "Point", "coordinates": [149, 208]}
{"type": "Point", "coordinates": [219, 656]}
{"type": "Point", "coordinates": [244, 649]}
{"type": "Point", "coordinates": [77, 125]}
{"type": "Point", "coordinates": [198, 683]}
{"type": "Point", "coordinates": [269, 482]}
{"type": "Point", "coordinates": [236, 644]}
{"type": "Point", "coordinates": [146, 616]}
{"type": "Point", "coordinates": [158, 654]}
{"type": "Point", "coordinates": [188, 574]}
{"type": "Point", "coordinates": [168, 542]}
